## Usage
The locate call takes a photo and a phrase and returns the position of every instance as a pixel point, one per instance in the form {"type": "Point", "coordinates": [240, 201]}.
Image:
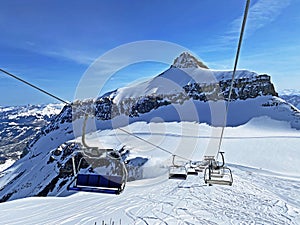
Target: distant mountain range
{"type": "Point", "coordinates": [187, 91]}
{"type": "Point", "coordinates": [20, 124]}
{"type": "Point", "coordinates": [291, 96]}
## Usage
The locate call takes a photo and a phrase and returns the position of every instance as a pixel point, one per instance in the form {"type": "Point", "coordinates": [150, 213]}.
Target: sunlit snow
{"type": "Point", "coordinates": [262, 154]}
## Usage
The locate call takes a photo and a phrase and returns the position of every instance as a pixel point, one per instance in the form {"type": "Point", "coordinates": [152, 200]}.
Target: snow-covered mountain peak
{"type": "Point", "coordinates": [186, 60]}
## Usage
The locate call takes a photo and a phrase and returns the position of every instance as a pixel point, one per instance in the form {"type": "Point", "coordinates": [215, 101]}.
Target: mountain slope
{"type": "Point", "coordinates": [19, 124]}
{"type": "Point", "coordinates": [291, 96]}
{"type": "Point", "coordinates": [253, 199]}
{"type": "Point", "coordinates": [187, 93]}
{"type": "Point", "coordinates": [257, 195]}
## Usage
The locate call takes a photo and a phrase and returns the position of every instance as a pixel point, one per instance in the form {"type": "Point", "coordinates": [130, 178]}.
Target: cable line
{"type": "Point", "coordinates": [227, 104]}
{"type": "Point", "coordinates": [163, 149]}
{"type": "Point", "coordinates": [33, 86]}
{"type": "Point", "coordinates": [69, 104]}
{"type": "Point", "coordinates": [234, 71]}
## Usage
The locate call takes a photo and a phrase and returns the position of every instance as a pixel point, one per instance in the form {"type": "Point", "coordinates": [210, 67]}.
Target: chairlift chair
{"type": "Point", "coordinates": [90, 180]}
{"type": "Point", "coordinates": [90, 177]}
{"type": "Point", "coordinates": [199, 169]}
{"type": "Point", "coordinates": [177, 171]}
{"type": "Point", "coordinates": [217, 174]}
{"type": "Point", "coordinates": [198, 166]}
{"type": "Point", "coordinates": [191, 169]}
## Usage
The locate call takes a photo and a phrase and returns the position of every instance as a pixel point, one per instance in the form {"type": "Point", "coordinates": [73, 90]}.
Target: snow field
{"type": "Point", "coordinates": [251, 200]}
{"type": "Point", "coordinates": [262, 154]}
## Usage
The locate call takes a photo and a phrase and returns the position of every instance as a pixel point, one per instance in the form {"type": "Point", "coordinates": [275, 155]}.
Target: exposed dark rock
{"type": "Point", "coordinates": [186, 60]}
{"type": "Point", "coordinates": [242, 89]}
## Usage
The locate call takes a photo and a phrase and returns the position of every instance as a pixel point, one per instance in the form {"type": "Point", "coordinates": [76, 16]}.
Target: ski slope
{"type": "Point", "coordinates": [263, 155]}
{"type": "Point", "coordinates": [255, 198]}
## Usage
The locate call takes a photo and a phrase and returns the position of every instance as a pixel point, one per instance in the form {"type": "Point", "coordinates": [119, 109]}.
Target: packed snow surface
{"type": "Point", "coordinates": [253, 199]}
{"type": "Point", "coordinates": [263, 155]}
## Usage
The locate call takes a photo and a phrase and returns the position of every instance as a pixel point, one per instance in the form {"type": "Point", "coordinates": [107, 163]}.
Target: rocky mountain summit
{"type": "Point", "coordinates": [186, 60]}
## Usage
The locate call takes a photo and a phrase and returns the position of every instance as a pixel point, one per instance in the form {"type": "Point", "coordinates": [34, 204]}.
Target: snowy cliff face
{"type": "Point", "coordinates": [45, 170]}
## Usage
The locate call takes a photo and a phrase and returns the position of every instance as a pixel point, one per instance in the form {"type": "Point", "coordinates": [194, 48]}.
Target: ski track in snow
{"type": "Point", "coordinates": [254, 198]}
{"type": "Point", "coordinates": [205, 137]}
{"type": "Point", "coordinates": [258, 196]}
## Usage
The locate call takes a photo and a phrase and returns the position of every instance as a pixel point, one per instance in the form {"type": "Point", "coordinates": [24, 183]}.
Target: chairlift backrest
{"type": "Point", "coordinates": [93, 180]}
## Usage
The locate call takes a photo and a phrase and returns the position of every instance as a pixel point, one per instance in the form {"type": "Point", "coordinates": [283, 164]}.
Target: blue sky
{"type": "Point", "coordinates": [52, 43]}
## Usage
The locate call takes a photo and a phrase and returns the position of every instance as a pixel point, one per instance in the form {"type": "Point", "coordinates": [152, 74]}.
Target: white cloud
{"type": "Point", "coordinates": [260, 14]}
{"type": "Point", "coordinates": [73, 55]}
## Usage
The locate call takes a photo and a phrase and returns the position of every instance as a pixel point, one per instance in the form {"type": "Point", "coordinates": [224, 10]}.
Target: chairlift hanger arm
{"type": "Point", "coordinates": [84, 130]}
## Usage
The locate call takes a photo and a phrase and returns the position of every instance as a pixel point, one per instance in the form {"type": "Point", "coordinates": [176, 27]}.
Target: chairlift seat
{"type": "Point", "coordinates": [82, 180]}
{"type": "Point", "coordinates": [95, 180]}
{"type": "Point", "coordinates": [217, 173]}
{"type": "Point", "coordinates": [223, 176]}
{"type": "Point", "coordinates": [199, 168]}
{"type": "Point", "coordinates": [192, 171]}
{"type": "Point", "coordinates": [98, 183]}
{"type": "Point", "coordinates": [219, 182]}
{"type": "Point", "coordinates": [178, 176]}
{"type": "Point", "coordinates": [178, 172]}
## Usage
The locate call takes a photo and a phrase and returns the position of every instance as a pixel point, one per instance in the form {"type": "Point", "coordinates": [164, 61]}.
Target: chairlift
{"type": "Point", "coordinates": [98, 170]}
{"type": "Point", "coordinates": [217, 174]}
{"type": "Point", "coordinates": [177, 171]}
{"type": "Point", "coordinates": [198, 166]}
{"type": "Point", "coordinates": [191, 169]}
